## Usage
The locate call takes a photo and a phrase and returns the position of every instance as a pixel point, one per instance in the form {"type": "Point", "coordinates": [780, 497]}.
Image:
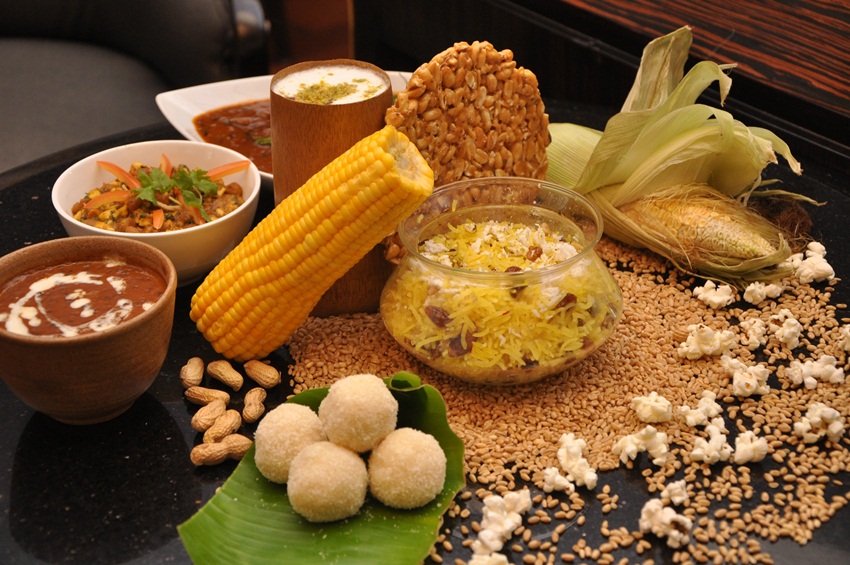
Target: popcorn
{"type": "Point", "coordinates": [756, 335]}
{"type": "Point", "coordinates": [676, 492]}
{"type": "Point", "coordinates": [845, 337]}
{"type": "Point", "coordinates": [664, 522]}
{"type": "Point", "coordinates": [553, 480]}
{"type": "Point", "coordinates": [648, 439]}
{"type": "Point", "coordinates": [715, 296]}
{"type": "Point", "coordinates": [788, 330]}
{"type": "Point", "coordinates": [824, 369]}
{"type": "Point", "coordinates": [820, 420]}
{"type": "Point", "coordinates": [750, 448]}
{"type": "Point", "coordinates": [571, 458]}
{"type": "Point", "coordinates": [702, 340]}
{"type": "Point", "coordinates": [815, 248]}
{"type": "Point", "coordinates": [814, 268]}
{"type": "Point", "coordinates": [746, 380]}
{"type": "Point", "coordinates": [501, 516]}
{"type": "Point", "coordinates": [652, 408]}
{"type": "Point", "coordinates": [757, 292]}
{"type": "Point", "coordinates": [489, 559]}
{"type": "Point", "coordinates": [716, 448]}
{"type": "Point", "coordinates": [706, 408]}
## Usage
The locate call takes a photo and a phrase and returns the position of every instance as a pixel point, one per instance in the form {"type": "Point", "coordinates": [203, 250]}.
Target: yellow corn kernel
{"type": "Point", "coordinates": [265, 288]}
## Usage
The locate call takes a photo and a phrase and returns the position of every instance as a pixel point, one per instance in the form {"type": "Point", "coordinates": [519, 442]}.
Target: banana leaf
{"type": "Point", "coordinates": [249, 520]}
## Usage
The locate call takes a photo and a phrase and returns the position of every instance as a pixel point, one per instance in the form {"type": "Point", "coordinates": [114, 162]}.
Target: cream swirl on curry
{"type": "Point", "coordinates": [76, 298]}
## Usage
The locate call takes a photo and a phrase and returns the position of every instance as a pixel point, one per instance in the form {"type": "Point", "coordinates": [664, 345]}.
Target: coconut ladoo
{"type": "Point", "coordinates": [327, 482]}
{"type": "Point", "coordinates": [407, 469]}
{"type": "Point", "coordinates": [281, 435]}
{"type": "Point", "coordinates": [358, 412]}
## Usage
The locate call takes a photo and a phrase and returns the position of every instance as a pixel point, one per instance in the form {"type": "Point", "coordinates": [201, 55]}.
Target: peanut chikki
{"type": "Point", "coordinates": [472, 112]}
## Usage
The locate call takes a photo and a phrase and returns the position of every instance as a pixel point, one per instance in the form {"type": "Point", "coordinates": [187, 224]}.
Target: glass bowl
{"type": "Point", "coordinates": [499, 283]}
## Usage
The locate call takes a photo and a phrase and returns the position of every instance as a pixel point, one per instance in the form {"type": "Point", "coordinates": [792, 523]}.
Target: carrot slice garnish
{"type": "Point", "coordinates": [193, 210]}
{"type": "Point", "coordinates": [108, 198]}
{"type": "Point", "coordinates": [228, 169]}
{"type": "Point", "coordinates": [120, 174]}
{"type": "Point", "coordinates": [158, 217]}
{"type": "Point", "coordinates": [165, 165]}
{"type": "Point", "coordinates": [196, 215]}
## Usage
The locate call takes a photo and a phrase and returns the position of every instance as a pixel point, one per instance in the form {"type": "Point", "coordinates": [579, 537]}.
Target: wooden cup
{"type": "Point", "coordinates": [305, 138]}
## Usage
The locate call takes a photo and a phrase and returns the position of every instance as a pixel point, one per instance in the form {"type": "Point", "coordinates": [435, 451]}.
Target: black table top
{"type": "Point", "coordinates": [115, 492]}
{"type": "Point", "coordinates": [108, 493]}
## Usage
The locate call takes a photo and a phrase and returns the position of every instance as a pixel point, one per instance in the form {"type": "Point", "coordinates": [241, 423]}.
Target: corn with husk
{"type": "Point", "coordinates": [672, 175]}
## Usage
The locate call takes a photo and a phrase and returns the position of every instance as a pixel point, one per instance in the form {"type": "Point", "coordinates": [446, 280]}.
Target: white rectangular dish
{"type": "Point", "coordinates": [181, 106]}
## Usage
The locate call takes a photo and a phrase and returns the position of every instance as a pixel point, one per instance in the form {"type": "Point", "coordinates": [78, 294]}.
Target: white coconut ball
{"type": "Point", "coordinates": [407, 469]}
{"type": "Point", "coordinates": [281, 435]}
{"type": "Point", "coordinates": [327, 482]}
{"type": "Point", "coordinates": [358, 412]}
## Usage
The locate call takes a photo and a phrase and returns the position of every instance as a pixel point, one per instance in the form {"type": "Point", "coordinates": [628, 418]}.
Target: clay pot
{"type": "Point", "coordinates": [92, 377]}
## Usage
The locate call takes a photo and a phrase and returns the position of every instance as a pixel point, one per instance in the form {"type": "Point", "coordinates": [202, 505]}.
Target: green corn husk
{"type": "Point", "coordinates": [666, 155]}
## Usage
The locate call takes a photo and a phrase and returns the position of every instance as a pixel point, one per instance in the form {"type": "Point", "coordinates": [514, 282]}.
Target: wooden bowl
{"type": "Point", "coordinates": [91, 377]}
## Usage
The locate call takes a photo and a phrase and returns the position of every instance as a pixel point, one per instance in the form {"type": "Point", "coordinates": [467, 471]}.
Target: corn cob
{"type": "Point", "coordinates": [265, 288]}
{"type": "Point", "coordinates": [703, 231]}
{"type": "Point", "coordinates": [700, 230]}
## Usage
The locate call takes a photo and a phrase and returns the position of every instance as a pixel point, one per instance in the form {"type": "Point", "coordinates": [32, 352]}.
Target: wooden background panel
{"type": "Point", "coordinates": [800, 47]}
{"type": "Point", "coordinates": [571, 65]}
{"type": "Point", "coordinates": [793, 75]}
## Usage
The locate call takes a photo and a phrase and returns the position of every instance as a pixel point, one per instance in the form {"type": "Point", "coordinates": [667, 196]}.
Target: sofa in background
{"type": "Point", "coordinates": [73, 71]}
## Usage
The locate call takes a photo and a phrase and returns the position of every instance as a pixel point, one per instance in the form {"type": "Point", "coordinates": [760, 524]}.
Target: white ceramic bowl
{"type": "Point", "coordinates": [194, 251]}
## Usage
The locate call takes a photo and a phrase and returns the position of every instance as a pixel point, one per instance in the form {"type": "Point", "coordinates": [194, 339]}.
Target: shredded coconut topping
{"type": "Point", "coordinates": [496, 246]}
